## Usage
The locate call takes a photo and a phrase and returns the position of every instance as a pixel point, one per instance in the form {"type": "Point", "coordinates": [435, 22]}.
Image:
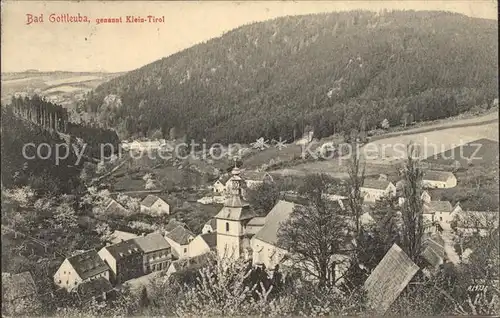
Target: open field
{"type": "Point", "coordinates": [388, 150]}
{"type": "Point", "coordinates": [69, 86]}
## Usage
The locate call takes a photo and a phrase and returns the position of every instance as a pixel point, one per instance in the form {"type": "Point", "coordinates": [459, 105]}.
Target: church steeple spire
{"type": "Point", "coordinates": [234, 189]}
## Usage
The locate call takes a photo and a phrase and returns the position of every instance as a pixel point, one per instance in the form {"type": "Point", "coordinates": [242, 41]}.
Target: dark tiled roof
{"type": "Point", "coordinates": [376, 184]}
{"type": "Point", "coordinates": [88, 264]}
{"type": "Point", "coordinates": [17, 286]}
{"type": "Point", "coordinates": [123, 249]}
{"type": "Point", "coordinates": [389, 279]}
{"type": "Point", "coordinates": [432, 175]}
{"type": "Point", "coordinates": [172, 224]}
{"type": "Point", "coordinates": [192, 262]}
{"type": "Point", "coordinates": [152, 242]}
{"type": "Point", "coordinates": [223, 179]}
{"type": "Point", "coordinates": [94, 288]}
{"type": "Point", "coordinates": [257, 221]}
{"type": "Point", "coordinates": [120, 236]}
{"type": "Point", "coordinates": [212, 223]}
{"type": "Point", "coordinates": [439, 206]}
{"type": "Point", "coordinates": [235, 209]}
{"type": "Point", "coordinates": [180, 235]}
{"type": "Point", "coordinates": [149, 200]}
{"type": "Point", "coordinates": [114, 207]}
{"type": "Point", "coordinates": [430, 255]}
{"type": "Point", "coordinates": [210, 239]}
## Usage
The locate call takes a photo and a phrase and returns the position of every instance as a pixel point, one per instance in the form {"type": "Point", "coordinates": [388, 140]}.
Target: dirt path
{"type": "Point", "coordinates": [449, 247]}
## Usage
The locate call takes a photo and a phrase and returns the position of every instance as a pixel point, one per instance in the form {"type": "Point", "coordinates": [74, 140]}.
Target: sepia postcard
{"type": "Point", "coordinates": [249, 158]}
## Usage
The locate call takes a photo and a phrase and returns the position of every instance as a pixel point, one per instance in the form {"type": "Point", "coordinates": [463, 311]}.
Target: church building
{"type": "Point", "coordinates": [233, 241]}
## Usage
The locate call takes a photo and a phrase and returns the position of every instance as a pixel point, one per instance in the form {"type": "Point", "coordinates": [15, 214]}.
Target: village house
{"type": "Point", "coordinates": [373, 190]}
{"type": "Point", "coordinates": [18, 289]}
{"type": "Point", "coordinates": [81, 268]}
{"type": "Point", "coordinates": [202, 244]}
{"type": "Point", "coordinates": [120, 236]}
{"type": "Point", "coordinates": [97, 289]}
{"type": "Point", "coordinates": [172, 224]}
{"type": "Point", "coordinates": [433, 251]}
{"type": "Point", "coordinates": [142, 145]}
{"type": "Point", "coordinates": [425, 196]}
{"type": "Point", "coordinates": [210, 226]}
{"type": "Point", "coordinates": [156, 252]}
{"type": "Point", "coordinates": [115, 208]}
{"type": "Point", "coordinates": [439, 179]}
{"type": "Point", "coordinates": [154, 205]}
{"type": "Point", "coordinates": [125, 259]}
{"type": "Point", "coordinates": [441, 212]}
{"type": "Point", "coordinates": [179, 239]}
{"type": "Point", "coordinates": [191, 263]}
{"type": "Point", "coordinates": [219, 186]}
{"type": "Point", "coordinates": [255, 178]}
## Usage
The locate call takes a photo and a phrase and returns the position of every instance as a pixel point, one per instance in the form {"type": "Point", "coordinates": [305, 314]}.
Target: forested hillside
{"type": "Point", "coordinates": [42, 171]}
{"type": "Point", "coordinates": [335, 72]}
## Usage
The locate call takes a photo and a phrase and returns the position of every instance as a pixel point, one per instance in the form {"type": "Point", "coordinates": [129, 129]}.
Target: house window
{"type": "Point", "coordinates": [440, 218]}
{"type": "Point", "coordinates": [227, 226]}
{"type": "Point", "coordinates": [59, 281]}
{"type": "Point", "coordinates": [64, 272]}
{"type": "Point", "coordinates": [185, 250]}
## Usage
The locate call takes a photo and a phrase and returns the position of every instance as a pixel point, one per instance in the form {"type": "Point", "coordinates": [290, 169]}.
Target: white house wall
{"type": "Point", "coordinates": [197, 247]}
{"type": "Point", "coordinates": [106, 256]}
{"type": "Point", "coordinates": [66, 276]}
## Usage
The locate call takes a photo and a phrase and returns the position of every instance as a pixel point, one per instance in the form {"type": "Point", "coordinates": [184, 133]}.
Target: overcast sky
{"type": "Point", "coordinates": [123, 47]}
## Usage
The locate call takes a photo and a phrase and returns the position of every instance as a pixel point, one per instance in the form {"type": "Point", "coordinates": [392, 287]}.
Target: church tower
{"type": "Point", "coordinates": [232, 240]}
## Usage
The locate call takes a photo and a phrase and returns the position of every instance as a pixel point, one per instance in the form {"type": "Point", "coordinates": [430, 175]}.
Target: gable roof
{"type": "Point", "coordinates": [180, 235]}
{"type": "Point", "coordinates": [88, 264]}
{"type": "Point", "coordinates": [279, 213]}
{"type": "Point", "coordinates": [433, 175]}
{"type": "Point", "coordinates": [257, 221]}
{"type": "Point", "coordinates": [120, 236]}
{"type": "Point", "coordinates": [389, 279]}
{"type": "Point", "coordinates": [15, 286]}
{"type": "Point", "coordinates": [124, 249]}
{"type": "Point", "coordinates": [255, 175]}
{"type": "Point", "coordinates": [223, 179]}
{"type": "Point", "coordinates": [433, 249]}
{"type": "Point", "coordinates": [150, 200]}
{"type": "Point", "coordinates": [376, 184]}
{"type": "Point", "coordinates": [114, 207]}
{"type": "Point", "coordinates": [94, 288]}
{"type": "Point", "coordinates": [172, 224]}
{"type": "Point", "coordinates": [191, 262]}
{"type": "Point", "coordinates": [431, 256]}
{"type": "Point", "coordinates": [210, 239]}
{"type": "Point", "coordinates": [213, 224]}
{"type": "Point", "coordinates": [438, 206]}
{"type": "Point", "coordinates": [152, 243]}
